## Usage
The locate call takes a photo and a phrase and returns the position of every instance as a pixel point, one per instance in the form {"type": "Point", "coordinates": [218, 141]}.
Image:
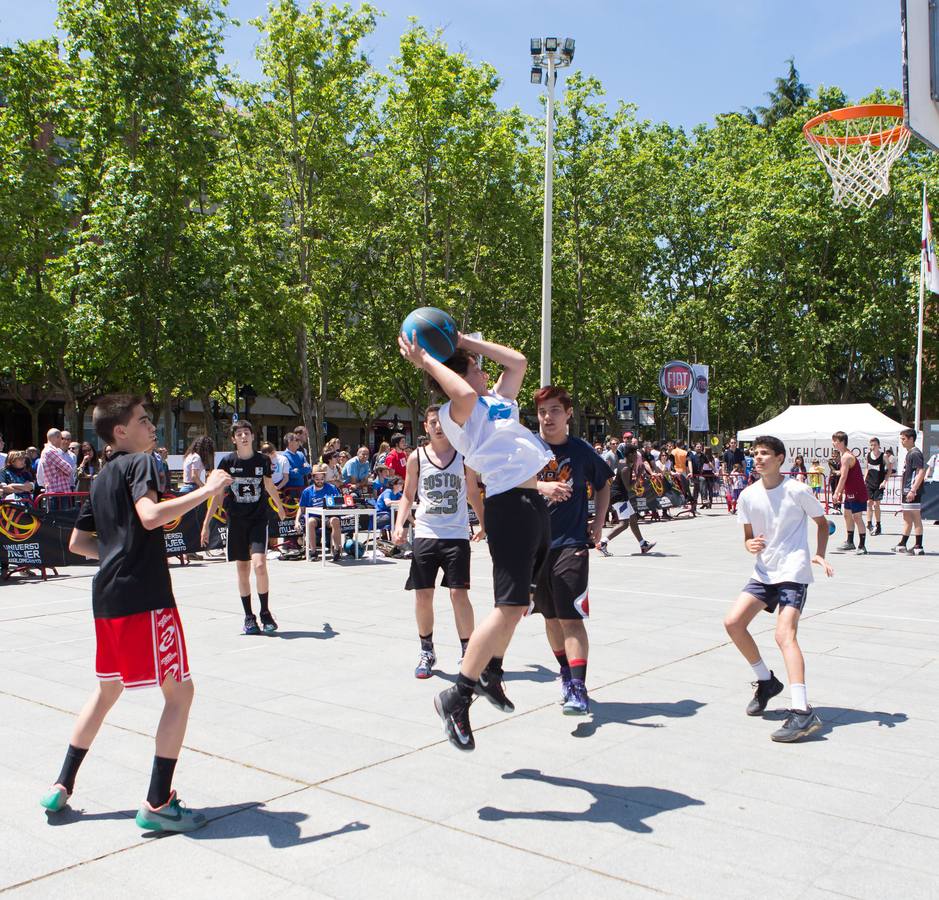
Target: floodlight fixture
{"type": "Point", "coordinates": [536, 74]}
{"type": "Point", "coordinates": [567, 49]}
{"type": "Point", "coordinates": [551, 45]}
{"type": "Point", "coordinates": [536, 46]}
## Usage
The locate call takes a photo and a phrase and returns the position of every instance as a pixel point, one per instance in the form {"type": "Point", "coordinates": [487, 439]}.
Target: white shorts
{"type": "Point", "coordinates": [624, 510]}
{"type": "Point", "coordinates": [911, 507]}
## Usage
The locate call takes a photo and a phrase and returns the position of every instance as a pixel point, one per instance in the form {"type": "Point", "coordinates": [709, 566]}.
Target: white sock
{"type": "Point", "coordinates": [760, 670]}
{"type": "Point", "coordinates": [799, 700]}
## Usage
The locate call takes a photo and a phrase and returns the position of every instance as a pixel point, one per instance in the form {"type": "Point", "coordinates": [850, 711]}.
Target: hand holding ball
{"type": "Point", "coordinates": [435, 331]}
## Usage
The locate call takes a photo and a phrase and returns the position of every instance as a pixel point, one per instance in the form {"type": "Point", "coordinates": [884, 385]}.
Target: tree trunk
{"type": "Point", "coordinates": [166, 399]}
{"type": "Point", "coordinates": [313, 425]}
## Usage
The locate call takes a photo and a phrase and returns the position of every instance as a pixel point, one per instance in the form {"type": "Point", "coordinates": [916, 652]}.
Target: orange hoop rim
{"type": "Point", "coordinates": [867, 111]}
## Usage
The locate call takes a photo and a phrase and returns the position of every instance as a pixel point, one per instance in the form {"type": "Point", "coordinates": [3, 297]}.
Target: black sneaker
{"type": "Point", "coordinates": [798, 724]}
{"type": "Point", "coordinates": [917, 551]}
{"type": "Point", "coordinates": [765, 691]}
{"type": "Point", "coordinates": [251, 625]}
{"type": "Point", "coordinates": [454, 713]}
{"type": "Point", "coordinates": [268, 625]}
{"type": "Point", "coordinates": [877, 530]}
{"type": "Point", "coordinates": [490, 687]}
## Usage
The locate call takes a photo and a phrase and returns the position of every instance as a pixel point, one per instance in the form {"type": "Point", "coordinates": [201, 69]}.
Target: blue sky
{"type": "Point", "coordinates": [680, 61]}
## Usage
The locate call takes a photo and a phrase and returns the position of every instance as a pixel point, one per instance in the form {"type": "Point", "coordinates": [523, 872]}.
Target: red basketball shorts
{"type": "Point", "coordinates": [141, 650]}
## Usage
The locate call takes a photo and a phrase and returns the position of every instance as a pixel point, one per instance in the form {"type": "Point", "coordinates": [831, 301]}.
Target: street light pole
{"type": "Point", "coordinates": [548, 54]}
{"type": "Point", "coordinates": [548, 222]}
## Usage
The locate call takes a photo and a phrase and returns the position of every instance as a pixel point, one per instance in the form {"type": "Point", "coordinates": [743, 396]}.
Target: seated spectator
{"type": "Point", "coordinates": [331, 446]}
{"type": "Point", "coordinates": [16, 478]}
{"type": "Point", "coordinates": [381, 479]}
{"type": "Point", "coordinates": [199, 459]}
{"type": "Point", "coordinates": [314, 497]}
{"type": "Point", "coordinates": [393, 492]}
{"type": "Point", "coordinates": [380, 454]}
{"type": "Point", "coordinates": [280, 465]}
{"type": "Point", "coordinates": [299, 470]}
{"type": "Point", "coordinates": [333, 469]}
{"type": "Point", "coordinates": [357, 469]}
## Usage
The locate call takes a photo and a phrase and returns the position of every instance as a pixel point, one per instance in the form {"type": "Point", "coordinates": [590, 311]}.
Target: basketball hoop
{"type": "Point", "coordinates": [858, 145]}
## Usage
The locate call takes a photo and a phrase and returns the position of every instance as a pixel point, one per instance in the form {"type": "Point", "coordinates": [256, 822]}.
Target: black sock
{"type": "Point", "coordinates": [850, 537]}
{"type": "Point", "coordinates": [264, 602]}
{"type": "Point", "coordinates": [463, 643]}
{"type": "Point", "coordinates": [579, 669]}
{"type": "Point", "coordinates": [561, 657]}
{"type": "Point", "coordinates": [73, 759]}
{"type": "Point", "coordinates": [495, 665]}
{"type": "Point", "coordinates": [465, 687]}
{"type": "Point", "coordinates": [903, 539]}
{"type": "Point", "coordinates": [919, 540]}
{"type": "Point", "coordinates": [860, 539]}
{"type": "Point", "coordinates": [246, 603]}
{"type": "Point", "coordinates": [427, 642]}
{"type": "Point", "coordinates": [161, 781]}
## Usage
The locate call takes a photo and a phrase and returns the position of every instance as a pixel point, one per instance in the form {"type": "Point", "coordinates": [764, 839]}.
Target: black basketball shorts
{"type": "Point", "coordinates": [561, 592]}
{"type": "Point", "coordinates": [431, 554]}
{"type": "Point", "coordinates": [245, 537]}
{"type": "Point", "coordinates": [518, 528]}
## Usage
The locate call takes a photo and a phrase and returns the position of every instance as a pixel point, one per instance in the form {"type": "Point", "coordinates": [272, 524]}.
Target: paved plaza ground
{"type": "Point", "coordinates": [324, 772]}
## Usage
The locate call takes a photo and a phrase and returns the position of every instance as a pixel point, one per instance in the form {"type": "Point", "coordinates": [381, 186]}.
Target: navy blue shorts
{"type": "Point", "coordinates": [786, 593]}
{"type": "Point", "coordinates": [855, 506]}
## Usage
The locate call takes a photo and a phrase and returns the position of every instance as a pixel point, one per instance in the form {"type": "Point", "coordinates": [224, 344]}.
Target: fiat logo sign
{"type": "Point", "coordinates": [676, 379]}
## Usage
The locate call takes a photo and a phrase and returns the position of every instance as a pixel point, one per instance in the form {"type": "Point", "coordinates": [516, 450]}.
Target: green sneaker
{"type": "Point", "coordinates": [171, 816]}
{"type": "Point", "coordinates": [55, 798]}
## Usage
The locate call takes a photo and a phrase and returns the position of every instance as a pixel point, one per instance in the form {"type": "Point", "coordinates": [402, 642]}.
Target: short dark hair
{"type": "Point", "coordinates": [552, 392]}
{"type": "Point", "coordinates": [841, 437]}
{"type": "Point", "coordinates": [459, 362]}
{"type": "Point", "coordinates": [288, 436]}
{"type": "Point", "coordinates": [396, 439]}
{"type": "Point", "coordinates": [112, 410]}
{"type": "Point", "coordinates": [909, 433]}
{"type": "Point", "coordinates": [237, 426]}
{"type": "Point", "coordinates": [773, 444]}
{"type": "Point", "coordinates": [433, 408]}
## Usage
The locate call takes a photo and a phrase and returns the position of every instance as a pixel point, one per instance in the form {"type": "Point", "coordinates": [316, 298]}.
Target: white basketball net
{"type": "Point", "coordinates": [860, 171]}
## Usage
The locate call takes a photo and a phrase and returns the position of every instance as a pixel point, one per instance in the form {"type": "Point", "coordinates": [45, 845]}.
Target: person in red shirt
{"type": "Point", "coordinates": [851, 487]}
{"type": "Point", "coordinates": [397, 458]}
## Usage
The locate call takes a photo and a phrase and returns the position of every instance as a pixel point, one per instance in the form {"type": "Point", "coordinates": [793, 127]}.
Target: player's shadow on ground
{"type": "Point", "coordinates": [533, 672]}
{"type": "Point", "coordinates": [627, 807]}
{"type": "Point", "coordinates": [627, 714]}
{"type": "Point", "coordinates": [838, 716]}
{"type": "Point", "coordinates": [323, 635]}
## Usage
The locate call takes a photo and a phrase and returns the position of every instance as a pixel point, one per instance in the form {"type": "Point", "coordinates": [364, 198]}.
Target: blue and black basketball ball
{"type": "Point", "coordinates": [436, 331]}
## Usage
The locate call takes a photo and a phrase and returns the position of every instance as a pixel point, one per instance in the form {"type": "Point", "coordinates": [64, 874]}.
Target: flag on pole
{"type": "Point", "coordinates": [930, 267]}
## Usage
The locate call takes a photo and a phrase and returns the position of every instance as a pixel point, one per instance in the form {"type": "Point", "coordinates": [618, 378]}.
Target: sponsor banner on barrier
{"type": "Point", "coordinates": [648, 494]}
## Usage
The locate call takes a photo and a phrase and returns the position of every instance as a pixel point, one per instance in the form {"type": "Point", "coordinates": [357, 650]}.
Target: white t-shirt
{"type": "Point", "coordinates": [442, 512]}
{"type": "Point", "coordinates": [781, 516]}
{"type": "Point", "coordinates": [193, 470]}
{"type": "Point", "coordinates": [496, 444]}
{"type": "Point", "coordinates": [280, 469]}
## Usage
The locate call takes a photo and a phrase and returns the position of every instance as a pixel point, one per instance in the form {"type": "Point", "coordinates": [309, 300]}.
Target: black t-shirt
{"type": "Point", "coordinates": [577, 463]}
{"type": "Point", "coordinates": [246, 497]}
{"type": "Point", "coordinates": [733, 458]}
{"type": "Point", "coordinates": [911, 465]}
{"type": "Point", "coordinates": [133, 576]}
{"type": "Point", "coordinates": [876, 470]}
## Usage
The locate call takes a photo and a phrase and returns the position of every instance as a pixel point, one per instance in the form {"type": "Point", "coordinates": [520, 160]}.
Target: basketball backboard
{"type": "Point", "coordinates": [920, 31]}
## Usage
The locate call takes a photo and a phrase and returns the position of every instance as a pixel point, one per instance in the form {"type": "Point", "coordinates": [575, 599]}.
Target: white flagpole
{"type": "Point", "coordinates": [919, 325]}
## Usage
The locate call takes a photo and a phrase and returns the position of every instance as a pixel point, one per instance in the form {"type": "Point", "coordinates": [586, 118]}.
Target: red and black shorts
{"type": "Point", "coordinates": [430, 554]}
{"type": "Point", "coordinates": [141, 650]}
{"type": "Point", "coordinates": [561, 592]}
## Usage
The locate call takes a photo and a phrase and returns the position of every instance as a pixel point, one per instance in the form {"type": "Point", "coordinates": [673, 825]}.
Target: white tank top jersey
{"type": "Point", "coordinates": [441, 491]}
{"type": "Point", "coordinates": [495, 444]}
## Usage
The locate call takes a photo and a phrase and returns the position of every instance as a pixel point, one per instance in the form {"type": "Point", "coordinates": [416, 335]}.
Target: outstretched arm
{"type": "Point", "coordinates": [462, 395]}
{"type": "Point", "coordinates": [513, 364]}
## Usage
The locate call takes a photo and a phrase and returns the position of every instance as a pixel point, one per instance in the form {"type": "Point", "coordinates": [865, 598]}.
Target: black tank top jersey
{"type": "Point", "coordinates": [876, 470]}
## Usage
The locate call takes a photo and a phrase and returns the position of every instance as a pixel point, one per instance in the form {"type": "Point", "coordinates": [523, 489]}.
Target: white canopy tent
{"type": "Point", "coordinates": [806, 430]}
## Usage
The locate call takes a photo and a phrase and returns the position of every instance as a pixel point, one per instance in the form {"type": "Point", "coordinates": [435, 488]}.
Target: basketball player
{"type": "Point", "coordinates": [140, 641]}
{"type": "Point", "coordinates": [561, 592]}
{"type": "Point", "coordinates": [246, 508]}
{"type": "Point", "coordinates": [484, 426]}
{"type": "Point", "coordinates": [878, 471]}
{"type": "Point", "coordinates": [773, 512]}
{"type": "Point", "coordinates": [442, 483]}
{"type": "Point", "coordinates": [850, 486]}
{"type": "Point", "coordinates": [628, 471]}
{"type": "Point", "coordinates": [914, 474]}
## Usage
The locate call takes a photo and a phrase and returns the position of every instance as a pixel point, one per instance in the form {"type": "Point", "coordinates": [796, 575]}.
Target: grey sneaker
{"type": "Point", "coordinates": [861, 551]}
{"type": "Point", "coordinates": [901, 548]}
{"type": "Point", "coordinates": [171, 816]}
{"type": "Point", "coordinates": [797, 726]}
{"type": "Point", "coordinates": [765, 691]}
{"type": "Point", "coordinates": [847, 545]}
{"type": "Point", "coordinates": [425, 666]}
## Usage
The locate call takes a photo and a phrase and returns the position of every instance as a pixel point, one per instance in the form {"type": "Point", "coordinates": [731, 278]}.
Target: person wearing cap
{"type": "Point", "coordinates": [381, 480]}
{"type": "Point", "coordinates": [621, 448]}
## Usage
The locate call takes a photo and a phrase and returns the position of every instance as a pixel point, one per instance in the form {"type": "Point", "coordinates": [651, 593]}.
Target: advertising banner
{"type": "Point", "coordinates": [699, 398]}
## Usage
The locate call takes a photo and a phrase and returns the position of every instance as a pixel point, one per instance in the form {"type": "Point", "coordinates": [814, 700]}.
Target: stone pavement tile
{"type": "Point", "coordinates": [26, 857]}
{"type": "Point", "coordinates": [590, 884]}
{"type": "Point", "coordinates": [869, 879]}
{"type": "Point", "coordinates": [915, 817]}
{"type": "Point", "coordinates": [686, 874]}
{"type": "Point", "coordinates": [188, 868]}
{"type": "Point", "coordinates": [84, 882]}
{"type": "Point", "coordinates": [902, 849]}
